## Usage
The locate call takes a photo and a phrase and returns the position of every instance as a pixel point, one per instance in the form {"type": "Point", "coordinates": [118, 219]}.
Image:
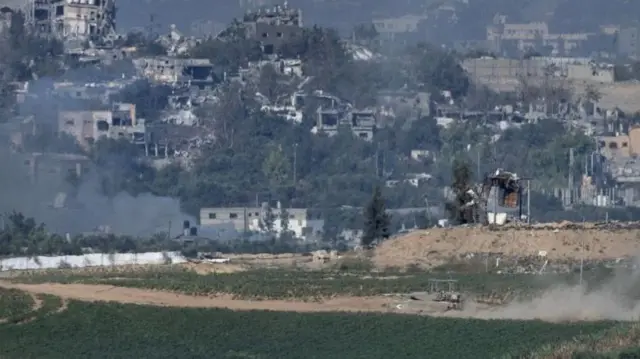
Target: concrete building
{"type": "Point", "coordinates": [622, 145]}
{"type": "Point", "coordinates": [174, 70]}
{"type": "Point", "coordinates": [390, 28]}
{"type": "Point", "coordinates": [273, 27]}
{"type": "Point", "coordinates": [5, 19]}
{"type": "Point", "coordinates": [503, 37]}
{"type": "Point", "coordinates": [245, 219]}
{"type": "Point", "coordinates": [99, 92]}
{"type": "Point", "coordinates": [362, 123]}
{"type": "Point", "coordinates": [56, 166]}
{"type": "Point", "coordinates": [507, 73]}
{"type": "Point", "coordinates": [89, 126]}
{"type": "Point", "coordinates": [627, 41]}
{"type": "Point", "coordinates": [72, 19]}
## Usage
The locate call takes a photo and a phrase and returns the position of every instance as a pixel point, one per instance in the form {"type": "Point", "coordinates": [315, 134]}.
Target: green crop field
{"type": "Point", "coordinates": [110, 330]}
{"type": "Point", "coordinates": [620, 341]}
{"type": "Point", "coordinates": [286, 283]}
{"type": "Point", "coordinates": [14, 303]}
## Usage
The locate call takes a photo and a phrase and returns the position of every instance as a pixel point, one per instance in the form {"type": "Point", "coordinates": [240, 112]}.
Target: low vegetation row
{"type": "Point", "coordinates": [290, 284]}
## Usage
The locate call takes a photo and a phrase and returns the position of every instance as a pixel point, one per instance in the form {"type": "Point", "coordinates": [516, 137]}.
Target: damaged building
{"type": "Point", "coordinates": [177, 71]}
{"type": "Point", "coordinates": [72, 19]}
{"type": "Point", "coordinates": [361, 122]}
{"type": "Point", "coordinates": [273, 27]}
{"type": "Point", "coordinates": [42, 166]}
{"type": "Point", "coordinates": [89, 126]}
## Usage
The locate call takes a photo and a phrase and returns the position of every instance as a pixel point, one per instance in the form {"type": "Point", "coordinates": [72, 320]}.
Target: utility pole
{"type": "Point", "coordinates": [427, 211]}
{"type": "Point", "coordinates": [495, 205]}
{"type": "Point", "coordinates": [377, 160]}
{"type": "Point", "coordinates": [570, 188]}
{"type": "Point", "coordinates": [582, 256]}
{"type": "Point", "coordinates": [295, 163]}
{"type": "Point", "coordinates": [478, 169]}
{"type": "Point", "coordinates": [528, 201]}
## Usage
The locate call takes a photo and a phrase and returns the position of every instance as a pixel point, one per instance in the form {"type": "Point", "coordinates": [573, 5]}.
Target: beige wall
{"type": "Point", "coordinates": [83, 125]}
{"type": "Point", "coordinates": [622, 146]}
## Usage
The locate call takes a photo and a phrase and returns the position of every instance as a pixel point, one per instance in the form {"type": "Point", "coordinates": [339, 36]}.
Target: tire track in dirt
{"type": "Point", "coordinates": [37, 305]}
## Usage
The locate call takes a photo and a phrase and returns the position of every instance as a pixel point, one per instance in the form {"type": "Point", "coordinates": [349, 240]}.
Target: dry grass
{"type": "Point", "coordinates": [618, 338]}
{"type": "Point", "coordinates": [437, 246]}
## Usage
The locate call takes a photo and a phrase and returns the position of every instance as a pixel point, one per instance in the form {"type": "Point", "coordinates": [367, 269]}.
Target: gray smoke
{"type": "Point", "coordinates": [52, 200]}
{"type": "Point", "coordinates": [63, 209]}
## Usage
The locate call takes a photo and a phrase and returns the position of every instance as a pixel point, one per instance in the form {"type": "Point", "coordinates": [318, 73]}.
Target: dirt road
{"type": "Point", "coordinates": [106, 293]}
{"type": "Point", "coordinates": [590, 307]}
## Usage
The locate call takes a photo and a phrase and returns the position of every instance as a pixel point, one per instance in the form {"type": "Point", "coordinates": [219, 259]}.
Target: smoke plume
{"type": "Point", "coordinates": [52, 199]}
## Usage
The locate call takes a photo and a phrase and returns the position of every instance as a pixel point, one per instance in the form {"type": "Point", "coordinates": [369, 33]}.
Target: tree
{"type": "Point", "coordinates": [366, 34]}
{"type": "Point", "coordinates": [438, 70]}
{"type": "Point", "coordinates": [458, 212]}
{"type": "Point", "coordinates": [276, 167]}
{"type": "Point", "coordinates": [149, 98]}
{"type": "Point", "coordinates": [285, 233]}
{"type": "Point", "coordinates": [377, 220]}
{"type": "Point", "coordinates": [272, 84]}
{"type": "Point", "coordinates": [268, 221]}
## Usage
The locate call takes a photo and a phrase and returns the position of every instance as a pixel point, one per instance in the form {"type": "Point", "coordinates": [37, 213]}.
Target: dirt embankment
{"type": "Point", "coordinates": [438, 245]}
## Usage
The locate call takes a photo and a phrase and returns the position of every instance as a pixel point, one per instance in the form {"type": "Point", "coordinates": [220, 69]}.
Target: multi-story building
{"type": "Point", "coordinates": [89, 126]}
{"type": "Point", "coordinates": [361, 123]}
{"type": "Point", "coordinates": [273, 27]}
{"type": "Point", "coordinates": [72, 19]}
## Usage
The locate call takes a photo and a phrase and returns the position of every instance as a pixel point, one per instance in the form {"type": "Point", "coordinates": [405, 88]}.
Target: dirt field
{"type": "Point", "coordinates": [94, 293]}
{"type": "Point", "coordinates": [545, 308]}
{"type": "Point", "coordinates": [435, 246]}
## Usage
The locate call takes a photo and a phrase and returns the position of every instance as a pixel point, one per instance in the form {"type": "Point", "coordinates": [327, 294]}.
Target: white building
{"type": "Point", "coordinates": [301, 228]}
{"type": "Point", "coordinates": [301, 222]}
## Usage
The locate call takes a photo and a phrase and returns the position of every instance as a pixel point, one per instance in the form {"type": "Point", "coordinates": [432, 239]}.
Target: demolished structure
{"type": "Point", "coordinates": [502, 188]}
{"type": "Point", "coordinates": [273, 27]}
{"type": "Point", "coordinates": [92, 20]}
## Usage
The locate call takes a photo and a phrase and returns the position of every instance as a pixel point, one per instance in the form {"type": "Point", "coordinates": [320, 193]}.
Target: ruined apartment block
{"type": "Point", "coordinates": [273, 27]}
{"type": "Point", "coordinates": [89, 126]}
{"type": "Point", "coordinates": [177, 71]}
{"type": "Point", "coordinates": [73, 19]}
{"type": "Point", "coordinates": [362, 123]}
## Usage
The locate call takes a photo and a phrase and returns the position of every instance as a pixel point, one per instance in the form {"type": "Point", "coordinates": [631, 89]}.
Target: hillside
{"type": "Point", "coordinates": [560, 242]}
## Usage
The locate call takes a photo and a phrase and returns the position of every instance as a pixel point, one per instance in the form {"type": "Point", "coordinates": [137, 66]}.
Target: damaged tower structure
{"type": "Point", "coordinates": [92, 20]}
{"type": "Point", "coordinates": [507, 189]}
